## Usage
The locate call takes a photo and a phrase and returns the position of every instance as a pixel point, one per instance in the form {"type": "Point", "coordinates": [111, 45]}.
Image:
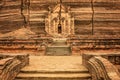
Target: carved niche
{"type": "Point", "coordinates": [52, 21]}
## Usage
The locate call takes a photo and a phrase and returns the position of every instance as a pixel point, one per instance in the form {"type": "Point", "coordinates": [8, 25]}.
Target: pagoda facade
{"type": "Point", "coordinates": [66, 20]}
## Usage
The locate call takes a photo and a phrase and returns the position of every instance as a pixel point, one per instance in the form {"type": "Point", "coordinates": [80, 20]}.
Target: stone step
{"type": "Point", "coordinates": [58, 51]}
{"type": "Point", "coordinates": [64, 76]}
{"type": "Point", "coordinates": [54, 68]}
{"type": "Point", "coordinates": [59, 44]}
{"type": "Point", "coordinates": [56, 71]}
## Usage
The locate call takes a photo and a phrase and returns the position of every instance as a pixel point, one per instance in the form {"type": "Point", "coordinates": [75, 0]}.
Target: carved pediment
{"type": "Point", "coordinates": [56, 9]}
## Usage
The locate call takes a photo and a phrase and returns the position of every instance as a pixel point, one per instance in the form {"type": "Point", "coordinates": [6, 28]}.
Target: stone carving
{"type": "Point", "coordinates": [52, 21]}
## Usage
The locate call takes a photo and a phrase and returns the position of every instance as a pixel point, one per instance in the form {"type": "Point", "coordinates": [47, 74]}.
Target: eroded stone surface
{"type": "Point", "coordinates": [55, 63]}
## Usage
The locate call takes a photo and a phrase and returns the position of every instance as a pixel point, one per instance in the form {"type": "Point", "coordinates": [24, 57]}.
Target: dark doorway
{"type": "Point", "coordinates": [59, 29]}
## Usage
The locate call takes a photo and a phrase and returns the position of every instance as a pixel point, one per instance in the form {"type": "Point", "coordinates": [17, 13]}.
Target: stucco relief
{"type": "Point", "coordinates": [52, 22]}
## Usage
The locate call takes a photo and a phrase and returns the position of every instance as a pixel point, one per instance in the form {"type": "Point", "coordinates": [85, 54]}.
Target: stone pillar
{"type": "Point", "coordinates": [72, 26]}
{"type": "Point", "coordinates": [46, 25]}
{"type": "Point", "coordinates": [54, 26]}
{"type": "Point", "coordinates": [69, 25]}
{"type": "Point", "coordinates": [51, 27]}
{"type": "Point", "coordinates": [49, 21]}
{"type": "Point", "coordinates": [66, 27]}
{"type": "Point", "coordinates": [63, 26]}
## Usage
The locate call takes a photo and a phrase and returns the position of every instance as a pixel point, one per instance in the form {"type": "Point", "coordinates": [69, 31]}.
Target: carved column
{"type": "Point", "coordinates": [47, 25]}
{"type": "Point", "coordinates": [69, 19]}
{"type": "Point", "coordinates": [72, 26]}
{"type": "Point", "coordinates": [66, 27]}
{"type": "Point", "coordinates": [62, 26]}
{"type": "Point", "coordinates": [54, 26]}
{"type": "Point", "coordinates": [49, 21]}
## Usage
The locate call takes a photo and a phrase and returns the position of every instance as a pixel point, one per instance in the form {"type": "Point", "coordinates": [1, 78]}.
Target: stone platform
{"type": "Point", "coordinates": [54, 68]}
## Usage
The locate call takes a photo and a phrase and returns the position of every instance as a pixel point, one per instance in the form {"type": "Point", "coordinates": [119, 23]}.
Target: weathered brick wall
{"type": "Point", "coordinates": [10, 65]}
{"type": "Point", "coordinates": [100, 68]}
{"type": "Point", "coordinates": [103, 15]}
{"type": "Point", "coordinates": [81, 10]}
{"type": "Point", "coordinates": [10, 16]}
{"type": "Point", "coordinates": [106, 17]}
{"type": "Point", "coordinates": [94, 42]}
{"type": "Point", "coordinates": [25, 44]}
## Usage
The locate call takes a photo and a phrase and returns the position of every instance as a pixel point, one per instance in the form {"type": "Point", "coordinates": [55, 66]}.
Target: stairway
{"type": "Point", "coordinates": [58, 51]}
{"type": "Point", "coordinates": [54, 68]}
{"type": "Point", "coordinates": [59, 48]}
{"type": "Point", "coordinates": [58, 75]}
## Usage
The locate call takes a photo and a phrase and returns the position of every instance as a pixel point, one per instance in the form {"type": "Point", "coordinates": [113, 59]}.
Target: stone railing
{"type": "Point", "coordinates": [114, 59]}
{"type": "Point", "coordinates": [100, 68]}
{"type": "Point", "coordinates": [10, 65]}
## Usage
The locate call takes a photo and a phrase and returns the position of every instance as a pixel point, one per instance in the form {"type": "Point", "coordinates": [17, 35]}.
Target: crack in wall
{"type": "Point", "coordinates": [93, 12]}
{"type": "Point", "coordinates": [22, 13]}
{"type": "Point", "coordinates": [25, 4]}
{"type": "Point", "coordinates": [28, 12]}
